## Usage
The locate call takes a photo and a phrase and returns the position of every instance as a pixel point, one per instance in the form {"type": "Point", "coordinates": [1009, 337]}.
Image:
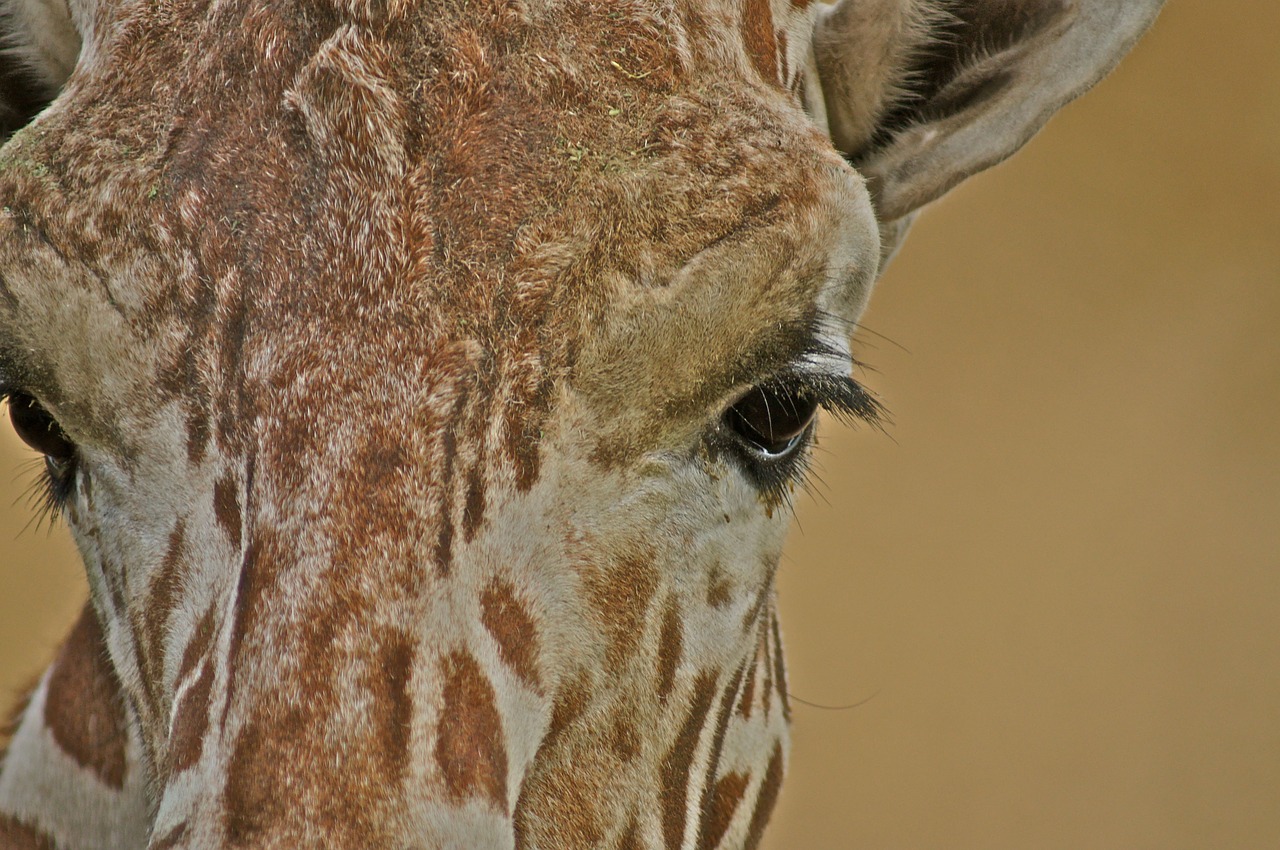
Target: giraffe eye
{"type": "Point", "coordinates": [771, 419]}
{"type": "Point", "coordinates": [35, 427]}
{"type": "Point", "coordinates": [769, 426]}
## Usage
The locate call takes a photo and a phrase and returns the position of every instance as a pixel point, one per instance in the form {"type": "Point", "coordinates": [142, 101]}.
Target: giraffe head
{"type": "Point", "coordinates": [422, 383]}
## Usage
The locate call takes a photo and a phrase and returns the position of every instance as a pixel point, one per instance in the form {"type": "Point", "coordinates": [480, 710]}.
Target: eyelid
{"type": "Point", "coordinates": [825, 371]}
{"type": "Point", "coordinates": [822, 377]}
{"type": "Point", "coordinates": [826, 358]}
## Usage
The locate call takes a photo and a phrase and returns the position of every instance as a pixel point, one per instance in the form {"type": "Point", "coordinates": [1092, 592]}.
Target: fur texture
{"type": "Point", "coordinates": [396, 343]}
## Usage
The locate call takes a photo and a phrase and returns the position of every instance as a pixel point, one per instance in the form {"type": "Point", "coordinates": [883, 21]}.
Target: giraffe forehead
{"type": "Point", "coordinates": [464, 199]}
{"type": "Point", "coordinates": [390, 189]}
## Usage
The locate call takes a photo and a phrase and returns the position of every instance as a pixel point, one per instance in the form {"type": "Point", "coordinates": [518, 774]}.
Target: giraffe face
{"type": "Point", "coordinates": [404, 407]}
{"type": "Point", "coordinates": [424, 385]}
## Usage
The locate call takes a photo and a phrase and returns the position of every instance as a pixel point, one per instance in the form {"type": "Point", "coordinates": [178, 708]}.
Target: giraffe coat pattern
{"type": "Point", "coordinates": [395, 342]}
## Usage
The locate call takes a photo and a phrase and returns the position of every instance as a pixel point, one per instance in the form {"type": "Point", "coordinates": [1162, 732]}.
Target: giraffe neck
{"type": "Point", "coordinates": [75, 748]}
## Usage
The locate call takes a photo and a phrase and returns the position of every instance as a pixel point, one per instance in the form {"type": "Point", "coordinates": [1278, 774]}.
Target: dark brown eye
{"type": "Point", "coordinates": [772, 418]}
{"type": "Point", "coordinates": [39, 430]}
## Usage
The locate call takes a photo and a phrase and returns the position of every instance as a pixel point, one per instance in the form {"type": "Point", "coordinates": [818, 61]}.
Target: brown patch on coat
{"type": "Point", "coordinates": [170, 839]}
{"type": "Point", "coordinates": [750, 618]}
{"type": "Point", "coordinates": [198, 646]}
{"type": "Point", "coordinates": [727, 703]}
{"type": "Point", "coordinates": [746, 702]}
{"type": "Point", "coordinates": [766, 799]}
{"type": "Point", "coordinates": [620, 596]}
{"type": "Point", "coordinates": [559, 805]}
{"type": "Point", "coordinates": [524, 434]}
{"type": "Point", "coordinates": [718, 587]}
{"type": "Point", "coordinates": [624, 741]}
{"type": "Point", "coordinates": [759, 39]}
{"type": "Point", "coordinates": [473, 507]}
{"type": "Point", "coordinates": [374, 503]}
{"type": "Point", "coordinates": [670, 646]}
{"type": "Point", "coordinates": [570, 703]}
{"type": "Point", "coordinates": [631, 837]}
{"type": "Point", "coordinates": [470, 748]}
{"type": "Point", "coordinates": [191, 722]}
{"type": "Point", "coordinates": [263, 559]}
{"type": "Point", "coordinates": [766, 692]}
{"type": "Point", "coordinates": [477, 220]}
{"type": "Point", "coordinates": [719, 807]}
{"type": "Point", "coordinates": [226, 508]}
{"type": "Point", "coordinates": [674, 772]}
{"type": "Point", "coordinates": [20, 835]}
{"type": "Point", "coordinates": [251, 800]}
{"type": "Point", "coordinates": [443, 555]}
{"type": "Point", "coordinates": [199, 431]}
{"type": "Point", "coordinates": [514, 630]}
{"type": "Point", "coordinates": [321, 750]}
{"type": "Point", "coordinates": [83, 708]}
{"type": "Point", "coordinates": [392, 703]}
{"type": "Point", "coordinates": [285, 783]}
{"type": "Point", "coordinates": [780, 670]}
{"type": "Point", "coordinates": [162, 598]}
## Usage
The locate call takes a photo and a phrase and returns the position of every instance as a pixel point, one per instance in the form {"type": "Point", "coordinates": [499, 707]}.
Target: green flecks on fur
{"type": "Point", "coordinates": [630, 74]}
{"type": "Point", "coordinates": [12, 160]}
{"type": "Point", "coordinates": [16, 157]}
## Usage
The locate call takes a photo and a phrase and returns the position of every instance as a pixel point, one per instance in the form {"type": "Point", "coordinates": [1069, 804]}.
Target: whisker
{"type": "Point", "coordinates": [819, 705]}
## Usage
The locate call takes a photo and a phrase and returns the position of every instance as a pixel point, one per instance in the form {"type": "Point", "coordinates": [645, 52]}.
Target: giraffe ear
{"type": "Point", "coordinates": [920, 94]}
{"type": "Point", "coordinates": [39, 46]}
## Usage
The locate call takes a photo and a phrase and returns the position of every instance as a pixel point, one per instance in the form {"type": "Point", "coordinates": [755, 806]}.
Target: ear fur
{"type": "Point", "coordinates": [920, 94]}
{"type": "Point", "coordinates": [38, 49]}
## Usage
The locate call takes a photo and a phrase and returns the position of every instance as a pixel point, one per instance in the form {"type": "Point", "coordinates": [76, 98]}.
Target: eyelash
{"type": "Point", "coordinates": [841, 396]}
{"type": "Point", "coordinates": [50, 488]}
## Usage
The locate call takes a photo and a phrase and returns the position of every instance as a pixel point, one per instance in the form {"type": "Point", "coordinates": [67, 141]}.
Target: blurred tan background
{"type": "Point", "coordinates": [1054, 587]}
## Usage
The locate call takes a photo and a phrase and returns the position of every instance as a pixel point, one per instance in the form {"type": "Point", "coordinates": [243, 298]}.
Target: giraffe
{"type": "Point", "coordinates": [424, 384]}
